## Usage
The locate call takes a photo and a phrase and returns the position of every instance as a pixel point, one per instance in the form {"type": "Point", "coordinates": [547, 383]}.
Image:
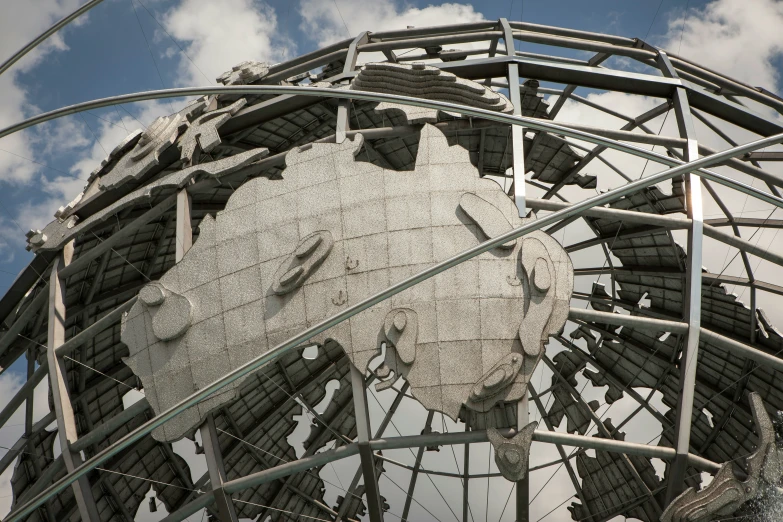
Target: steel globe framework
{"type": "Point", "coordinates": [661, 324]}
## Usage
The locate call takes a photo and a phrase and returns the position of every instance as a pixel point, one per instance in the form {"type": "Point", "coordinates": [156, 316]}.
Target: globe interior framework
{"type": "Point", "coordinates": [661, 325]}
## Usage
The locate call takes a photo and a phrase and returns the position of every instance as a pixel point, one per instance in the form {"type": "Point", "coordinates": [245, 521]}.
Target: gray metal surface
{"type": "Point", "coordinates": [118, 240]}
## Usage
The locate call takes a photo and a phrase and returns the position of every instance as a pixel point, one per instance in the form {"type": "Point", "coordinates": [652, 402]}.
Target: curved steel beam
{"type": "Point", "coordinates": [350, 311]}
{"type": "Point", "coordinates": [456, 438]}
{"type": "Point", "coordinates": [406, 100]}
{"type": "Point", "coordinates": [46, 34]}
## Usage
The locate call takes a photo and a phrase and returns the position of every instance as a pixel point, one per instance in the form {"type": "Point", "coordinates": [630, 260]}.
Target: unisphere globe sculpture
{"type": "Point", "coordinates": [375, 283]}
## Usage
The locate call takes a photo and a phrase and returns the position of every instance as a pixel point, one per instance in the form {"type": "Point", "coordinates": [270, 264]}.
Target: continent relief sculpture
{"type": "Point", "coordinates": [727, 493]}
{"type": "Point", "coordinates": [285, 254]}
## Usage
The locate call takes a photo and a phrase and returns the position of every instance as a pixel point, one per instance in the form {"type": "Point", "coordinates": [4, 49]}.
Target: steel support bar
{"type": "Point", "coordinates": [517, 132]}
{"type": "Point", "coordinates": [433, 30]}
{"type": "Point", "coordinates": [692, 313]}
{"type": "Point", "coordinates": [297, 340]}
{"type": "Point", "coordinates": [626, 135]}
{"type": "Point", "coordinates": [276, 77]}
{"type": "Point", "coordinates": [574, 33]}
{"type": "Point", "coordinates": [585, 45]}
{"type": "Point", "coordinates": [418, 102]}
{"type": "Point", "coordinates": [12, 334]}
{"type": "Point", "coordinates": [217, 471]}
{"type": "Point", "coordinates": [523, 486]}
{"type": "Point", "coordinates": [667, 222]}
{"type": "Point", "coordinates": [101, 431]}
{"type": "Point", "coordinates": [563, 457]}
{"type": "Point", "coordinates": [24, 392]}
{"type": "Point", "coordinates": [10, 455]}
{"type": "Point", "coordinates": [200, 502]}
{"type": "Point", "coordinates": [58, 384]}
{"type": "Point", "coordinates": [737, 348]}
{"type": "Point", "coordinates": [108, 244]}
{"type": "Point", "coordinates": [602, 429]}
{"type": "Point", "coordinates": [378, 433]}
{"type": "Point", "coordinates": [209, 439]}
{"type": "Point", "coordinates": [415, 473]}
{"type": "Point", "coordinates": [763, 156]}
{"type": "Point", "coordinates": [465, 479]}
{"type": "Point", "coordinates": [727, 83]}
{"type": "Point", "coordinates": [635, 321]}
{"type": "Point", "coordinates": [94, 329]}
{"type": "Point", "coordinates": [374, 507]}
{"type": "Point", "coordinates": [318, 441]}
{"type": "Point", "coordinates": [595, 61]}
{"type": "Point", "coordinates": [596, 151]}
{"type": "Point", "coordinates": [706, 277]}
{"type": "Point", "coordinates": [470, 437]}
{"type": "Point", "coordinates": [184, 227]}
{"type": "Point", "coordinates": [343, 123]}
{"type": "Point", "coordinates": [427, 41]}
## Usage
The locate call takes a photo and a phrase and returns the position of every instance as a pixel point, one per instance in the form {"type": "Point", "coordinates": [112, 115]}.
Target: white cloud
{"type": "Point", "coordinates": [223, 34]}
{"type": "Point", "coordinates": [326, 23]}
{"type": "Point", "coordinates": [740, 38]}
{"type": "Point", "coordinates": [20, 153]}
{"type": "Point", "coordinates": [30, 19]}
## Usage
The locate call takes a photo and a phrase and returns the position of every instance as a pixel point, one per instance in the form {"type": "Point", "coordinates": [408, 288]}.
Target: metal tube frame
{"type": "Point", "coordinates": [297, 340]}
{"type": "Point", "coordinates": [612, 45]}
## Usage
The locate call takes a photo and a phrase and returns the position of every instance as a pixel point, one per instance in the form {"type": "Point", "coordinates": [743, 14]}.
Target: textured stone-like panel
{"type": "Point", "coordinates": [58, 232]}
{"type": "Point", "coordinates": [159, 136]}
{"type": "Point", "coordinates": [511, 455]}
{"type": "Point", "coordinates": [423, 81]}
{"type": "Point", "coordinates": [726, 494]}
{"type": "Point", "coordinates": [203, 133]}
{"type": "Point", "coordinates": [244, 73]}
{"type": "Point", "coordinates": [288, 253]}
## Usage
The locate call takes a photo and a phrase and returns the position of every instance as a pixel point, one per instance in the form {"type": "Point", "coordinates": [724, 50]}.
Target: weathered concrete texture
{"type": "Point", "coordinates": [203, 133]}
{"type": "Point", "coordinates": [244, 73]}
{"type": "Point", "coordinates": [286, 254]}
{"type": "Point", "coordinates": [423, 81]}
{"type": "Point", "coordinates": [159, 136]}
{"type": "Point", "coordinates": [726, 494]}
{"type": "Point", "coordinates": [511, 455]}
{"type": "Point", "coordinates": [414, 115]}
{"type": "Point", "coordinates": [58, 232]}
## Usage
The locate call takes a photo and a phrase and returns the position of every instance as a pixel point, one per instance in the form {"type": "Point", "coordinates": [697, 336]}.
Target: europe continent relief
{"type": "Point", "coordinates": [286, 254]}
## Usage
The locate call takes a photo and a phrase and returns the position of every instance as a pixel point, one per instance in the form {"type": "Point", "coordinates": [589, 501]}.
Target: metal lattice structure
{"type": "Point", "coordinates": [692, 341]}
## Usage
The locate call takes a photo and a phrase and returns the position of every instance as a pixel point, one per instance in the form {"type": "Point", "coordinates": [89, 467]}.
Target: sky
{"type": "Point", "coordinates": [124, 46]}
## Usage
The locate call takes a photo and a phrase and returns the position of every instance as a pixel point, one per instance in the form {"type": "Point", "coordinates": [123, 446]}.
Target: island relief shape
{"type": "Point", "coordinates": [288, 253]}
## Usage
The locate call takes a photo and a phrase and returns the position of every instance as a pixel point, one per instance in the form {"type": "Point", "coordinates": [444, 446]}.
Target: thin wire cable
{"type": "Point", "coordinates": [286, 461]}
{"type": "Point", "coordinates": [420, 466]}
{"type": "Point", "coordinates": [101, 373]}
{"type": "Point", "coordinates": [726, 266]}
{"type": "Point", "coordinates": [513, 487]}
{"type": "Point", "coordinates": [95, 136]}
{"type": "Point", "coordinates": [131, 115]}
{"type": "Point", "coordinates": [341, 18]}
{"type": "Point", "coordinates": [758, 264]}
{"type": "Point", "coordinates": [149, 480]}
{"type": "Point", "coordinates": [122, 120]}
{"type": "Point", "coordinates": [454, 453]}
{"type": "Point", "coordinates": [80, 363]}
{"type": "Point", "coordinates": [149, 48]}
{"type": "Point", "coordinates": [175, 42]}
{"type": "Point", "coordinates": [653, 19]}
{"type": "Point", "coordinates": [489, 467]}
{"type": "Point", "coordinates": [720, 392]}
{"type": "Point", "coordinates": [123, 258]}
{"type": "Point", "coordinates": [70, 175]}
{"type": "Point", "coordinates": [297, 515]}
